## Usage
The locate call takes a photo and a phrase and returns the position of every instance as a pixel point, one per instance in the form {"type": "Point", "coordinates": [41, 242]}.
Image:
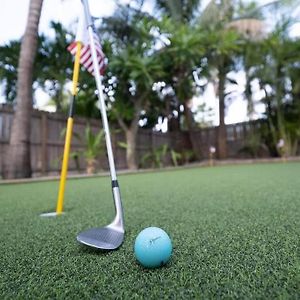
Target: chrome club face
{"type": "Point", "coordinates": [106, 238]}
{"type": "Point", "coordinates": [109, 237]}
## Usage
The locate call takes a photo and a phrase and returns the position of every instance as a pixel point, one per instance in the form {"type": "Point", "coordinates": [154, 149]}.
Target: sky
{"type": "Point", "coordinates": [12, 24]}
{"type": "Point", "coordinates": [64, 11]}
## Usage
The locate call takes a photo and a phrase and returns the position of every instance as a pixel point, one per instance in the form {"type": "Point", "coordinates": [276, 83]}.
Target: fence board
{"type": "Point", "coordinates": [47, 141]}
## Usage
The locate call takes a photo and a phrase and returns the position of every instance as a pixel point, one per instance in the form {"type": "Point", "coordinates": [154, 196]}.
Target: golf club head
{"type": "Point", "coordinates": [111, 236]}
{"type": "Point", "coordinates": [105, 238]}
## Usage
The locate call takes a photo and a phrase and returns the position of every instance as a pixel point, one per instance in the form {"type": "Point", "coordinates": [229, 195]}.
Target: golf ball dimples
{"type": "Point", "coordinates": [153, 247]}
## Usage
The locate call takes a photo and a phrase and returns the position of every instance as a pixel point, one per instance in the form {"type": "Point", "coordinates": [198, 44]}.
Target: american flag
{"type": "Point", "coordinates": [86, 54]}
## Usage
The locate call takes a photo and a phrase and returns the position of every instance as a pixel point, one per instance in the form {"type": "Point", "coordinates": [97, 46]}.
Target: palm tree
{"type": "Point", "coordinates": [180, 11]}
{"type": "Point", "coordinates": [180, 57]}
{"type": "Point", "coordinates": [54, 64]}
{"type": "Point", "coordinates": [219, 17]}
{"type": "Point", "coordinates": [185, 51]}
{"type": "Point", "coordinates": [135, 75]}
{"type": "Point", "coordinates": [9, 55]}
{"type": "Point", "coordinates": [275, 69]}
{"type": "Point", "coordinates": [19, 147]}
{"type": "Point", "coordinates": [234, 28]}
{"type": "Point", "coordinates": [224, 46]}
{"type": "Point", "coordinates": [220, 44]}
{"type": "Point", "coordinates": [133, 68]}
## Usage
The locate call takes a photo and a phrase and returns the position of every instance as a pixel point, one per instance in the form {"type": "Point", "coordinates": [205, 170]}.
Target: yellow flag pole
{"type": "Point", "coordinates": [64, 169]}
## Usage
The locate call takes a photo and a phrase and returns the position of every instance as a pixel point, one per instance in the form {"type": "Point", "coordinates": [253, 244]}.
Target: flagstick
{"type": "Point", "coordinates": [64, 170]}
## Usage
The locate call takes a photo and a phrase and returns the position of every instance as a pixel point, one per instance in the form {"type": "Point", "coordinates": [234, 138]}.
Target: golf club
{"type": "Point", "coordinates": [111, 236]}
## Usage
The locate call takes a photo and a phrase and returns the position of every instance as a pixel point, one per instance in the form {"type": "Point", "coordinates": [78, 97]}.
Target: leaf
{"type": "Point", "coordinates": [123, 145]}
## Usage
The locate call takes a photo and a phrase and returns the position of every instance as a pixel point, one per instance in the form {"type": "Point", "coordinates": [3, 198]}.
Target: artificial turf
{"type": "Point", "coordinates": [235, 233]}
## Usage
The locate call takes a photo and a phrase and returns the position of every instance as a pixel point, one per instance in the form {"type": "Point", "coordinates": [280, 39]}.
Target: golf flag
{"type": "Point", "coordinates": [86, 54]}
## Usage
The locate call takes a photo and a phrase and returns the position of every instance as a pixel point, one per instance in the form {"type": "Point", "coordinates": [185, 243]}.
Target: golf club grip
{"type": "Point", "coordinates": [88, 17]}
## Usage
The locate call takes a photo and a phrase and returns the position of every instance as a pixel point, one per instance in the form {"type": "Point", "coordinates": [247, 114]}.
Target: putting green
{"type": "Point", "coordinates": [235, 232]}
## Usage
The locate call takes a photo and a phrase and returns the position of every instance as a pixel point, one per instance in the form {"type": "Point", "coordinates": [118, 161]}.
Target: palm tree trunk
{"type": "Point", "coordinates": [18, 155]}
{"type": "Point", "coordinates": [131, 134]}
{"type": "Point", "coordinates": [131, 148]}
{"type": "Point", "coordinates": [174, 122]}
{"type": "Point", "coordinates": [279, 88]}
{"type": "Point", "coordinates": [249, 97]}
{"type": "Point", "coordinates": [191, 128]}
{"type": "Point", "coordinates": [222, 138]}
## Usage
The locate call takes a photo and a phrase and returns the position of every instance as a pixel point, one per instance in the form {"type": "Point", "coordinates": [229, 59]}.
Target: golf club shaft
{"type": "Point", "coordinates": [118, 221]}
{"type": "Point", "coordinates": [100, 95]}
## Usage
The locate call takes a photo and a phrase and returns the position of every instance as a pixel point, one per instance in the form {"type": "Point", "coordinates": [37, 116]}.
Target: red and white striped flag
{"type": "Point", "coordinates": [86, 53]}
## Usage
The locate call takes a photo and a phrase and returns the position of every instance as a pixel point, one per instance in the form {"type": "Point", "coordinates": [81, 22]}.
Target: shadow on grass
{"type": "Point", "coordinates": [53, 210]}
{"type": "Point", "coordinates": [82, 249]}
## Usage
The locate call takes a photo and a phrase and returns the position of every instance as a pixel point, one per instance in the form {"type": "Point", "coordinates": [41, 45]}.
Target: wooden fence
{"type": "Point", "coordinates": [47, 141]}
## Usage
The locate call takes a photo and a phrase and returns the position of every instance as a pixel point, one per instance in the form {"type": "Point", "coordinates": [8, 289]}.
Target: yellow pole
{"type": "Point", "coordinates": [64, 169]}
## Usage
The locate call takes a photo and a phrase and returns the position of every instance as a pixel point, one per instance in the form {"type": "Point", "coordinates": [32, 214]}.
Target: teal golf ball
{"type": "Point", "coordinates": [153, 247]}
